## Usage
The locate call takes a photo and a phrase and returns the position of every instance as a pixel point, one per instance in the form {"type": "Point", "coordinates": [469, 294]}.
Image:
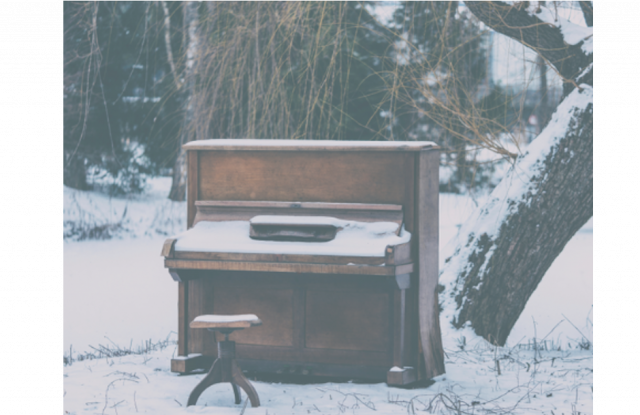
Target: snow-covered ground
{"type": "Point", "coordinates": [117, 292]}
{"type": "Point", "coordinates": [557, 382]}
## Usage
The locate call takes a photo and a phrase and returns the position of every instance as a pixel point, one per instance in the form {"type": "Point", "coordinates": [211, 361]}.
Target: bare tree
{"type": "Point", "coordinates": [186, 86]}
{"type": "Point", "coordinates": [508, 244]}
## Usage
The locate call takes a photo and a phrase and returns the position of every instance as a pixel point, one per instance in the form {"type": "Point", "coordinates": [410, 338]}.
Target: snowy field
{"type": "Point", "coordinates": [118, 296]}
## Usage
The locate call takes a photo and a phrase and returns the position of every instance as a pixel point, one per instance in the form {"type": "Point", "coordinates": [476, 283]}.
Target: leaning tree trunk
{"type": "Point", "coordinates": [507, 245]}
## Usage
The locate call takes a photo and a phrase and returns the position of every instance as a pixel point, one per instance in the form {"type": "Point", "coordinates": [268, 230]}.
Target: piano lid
{"type": "Point", "coordinates": [247, 144]}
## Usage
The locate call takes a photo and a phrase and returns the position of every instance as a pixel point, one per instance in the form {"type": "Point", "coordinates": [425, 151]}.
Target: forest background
{"type": "Point", "coordinates": [143, 78]}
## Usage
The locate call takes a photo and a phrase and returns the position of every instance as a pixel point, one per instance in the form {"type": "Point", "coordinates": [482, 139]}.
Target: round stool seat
{"type": "Point", "coordinates": [217, 321]}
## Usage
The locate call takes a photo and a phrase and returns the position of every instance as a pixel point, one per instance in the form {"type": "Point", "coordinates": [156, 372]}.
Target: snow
{"type": "Point", "coordinates": [150, 214]}
{"type": "Point", "coordinates": [189, 356]}
{"type": "Point", "coordinates": [528, 383]}
{"type": "Point", "coordinates": [354, 239]}
{"type": "Point", "coordinates": [308, 144]}
{"type": "Point", "coordinates": [382, 11]}
{"type": "Point", "coordinates": [117, 292]}
{"type": "Point", "coordinates": [217, 318]}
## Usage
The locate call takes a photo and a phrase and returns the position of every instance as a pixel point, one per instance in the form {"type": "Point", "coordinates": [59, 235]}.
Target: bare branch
{"type": "Point", "coordinates": [544, 38]}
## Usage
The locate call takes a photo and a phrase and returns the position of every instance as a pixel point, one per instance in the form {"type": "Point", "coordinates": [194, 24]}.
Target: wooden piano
{"type": "Point", "coordinates": [333, 244]}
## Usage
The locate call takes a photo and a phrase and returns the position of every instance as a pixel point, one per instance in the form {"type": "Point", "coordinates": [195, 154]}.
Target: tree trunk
{"type": "Point", "coordinates": [179, 179]}
{"type": "Point", "coordinates": [507, 245]}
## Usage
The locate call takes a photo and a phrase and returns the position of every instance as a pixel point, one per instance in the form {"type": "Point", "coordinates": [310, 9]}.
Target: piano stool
{"type": "Point", "coordinates": [225, 368]}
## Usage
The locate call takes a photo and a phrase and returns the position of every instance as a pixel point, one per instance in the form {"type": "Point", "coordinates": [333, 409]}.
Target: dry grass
{"type": "Point", "coordinates": [110, 351]}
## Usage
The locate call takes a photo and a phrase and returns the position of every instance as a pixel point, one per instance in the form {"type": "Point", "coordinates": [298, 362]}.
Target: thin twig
{"type": "Point", "coordinates": [574, 326]}
{"type": "Point", "coordinates": [245, 406]}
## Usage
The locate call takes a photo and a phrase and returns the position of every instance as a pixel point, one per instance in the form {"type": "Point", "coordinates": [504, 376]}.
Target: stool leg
{"type": "Point", "coordinates": [213, 377]}
{"type": "Point", "coordinates": [236, 393]}
{"type": "Point", "coordinates": [240, 380]}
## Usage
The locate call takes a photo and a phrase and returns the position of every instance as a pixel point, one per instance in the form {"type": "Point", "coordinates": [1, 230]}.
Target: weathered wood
{"type": "Point", "coordinates": [319, 312]}
{"type": "Point", "coordinates": [308, 145]}
{"type": "Point", "coordinates": [398, 333]}
{"type": "Point", "coordinates": [400, 376]}
{"type": "Point", "coordinates": [347, 320]}
{"type": "Point", "coordinates": [183, 315]}
{"type": "Point", "coordinates": [336, 177]}
{"type": "Point", "coordinates": [323, 356]}
{"type": "Point", "coordinates": [427, 184]}
{"type": "Point", "coordinates": [245, 210]}
{"type": "Point", "coordinates": [222, 325]}
{"type": "Point", "coordinates": [225, 369]}
{"type": "Point", "coordinates": [193, 168]}
{"type": "Point", "coordinates": [398, 254]}
{"type": "Point", "coordinates": [299, 314]}
{"type": "Point", "coordinates": [175, 275]}
{"type": "Point", "coordinates": [289, 267]}
{"type": "Point", "coordinates": [197, 306]}
{"type": "Point", "coordinates": [186, 364]}
{"type": "Point", "coordinates": [281, 301]}
{"type": "Point", "coordinates": [239, 379]}
{"type": "Point", "coordinates": [408, 198]}
{"type": "Point", "coordinates": [403, 269]}
{"type": "Point", "coordinates": [167, 247]}
{"type": "Point", "coordinates": [200, 302]}
{"type": "Point", "coordinates": [239, 204]}
{"type": "Point", "coordinates": [284, 258]}
{"type": "Point", "coordinates": [274, 305]}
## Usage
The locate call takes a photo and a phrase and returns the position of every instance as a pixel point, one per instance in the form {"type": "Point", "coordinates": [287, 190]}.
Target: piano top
{"type": "Point", "coordinates": [247, 144]}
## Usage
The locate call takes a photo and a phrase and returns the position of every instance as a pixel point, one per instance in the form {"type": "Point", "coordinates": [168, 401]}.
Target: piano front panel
{"type": "Point", "coordinates": [274, 306]}
{"type": "Point", "coordinates": [326, 319]}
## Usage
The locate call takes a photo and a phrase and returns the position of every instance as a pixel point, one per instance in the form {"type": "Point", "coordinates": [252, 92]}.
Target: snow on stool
{"type": "Point", "coordinates": [216, 321]}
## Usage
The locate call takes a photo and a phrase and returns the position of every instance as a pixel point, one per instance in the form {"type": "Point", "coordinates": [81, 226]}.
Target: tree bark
{"type": "Point", "coordinates": [508, 244]}
{"type": "Point", "coordinates": [179, 179]}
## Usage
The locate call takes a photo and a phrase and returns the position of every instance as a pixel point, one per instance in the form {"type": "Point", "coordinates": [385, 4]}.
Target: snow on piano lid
{"type": "Point", "coordinates": [247, 144]}
{"type": "Point", "coordinates": [366, 239]}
